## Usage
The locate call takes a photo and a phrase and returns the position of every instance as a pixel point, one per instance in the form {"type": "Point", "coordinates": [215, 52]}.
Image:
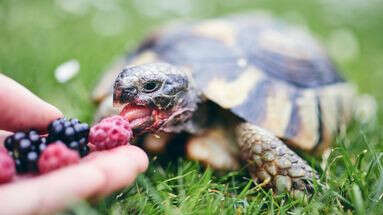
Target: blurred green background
{"type": "Point", "coordinates": [37, 36]}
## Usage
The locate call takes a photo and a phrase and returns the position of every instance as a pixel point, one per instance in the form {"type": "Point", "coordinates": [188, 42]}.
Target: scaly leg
{"type": "Point", "coordinates": [271, 162]}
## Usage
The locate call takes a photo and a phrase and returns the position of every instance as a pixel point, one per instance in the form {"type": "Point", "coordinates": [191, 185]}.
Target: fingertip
{"type": "Point", "coordinates": [55, 113]}
{"type": "Point", "coordinates": [48, 114]}
{"type": "Point", "coordinates": [23, 110]}
{"type": "Point", "coordinates": [52, 113]}
{"type": "Point", "coordinates": [4, 135]}
{"type": "Point", "coordinates": [141, 158]}
{"type": "Point", "coordinates": [120, 166]}
{"type": "Point", "coordinates": [128, 152]}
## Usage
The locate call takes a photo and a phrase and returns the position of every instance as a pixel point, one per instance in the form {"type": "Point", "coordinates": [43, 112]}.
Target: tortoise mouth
{"type": "Point", "coordinates": [138, 116]}
{"type": "Point", "coordinates": [143, 118]}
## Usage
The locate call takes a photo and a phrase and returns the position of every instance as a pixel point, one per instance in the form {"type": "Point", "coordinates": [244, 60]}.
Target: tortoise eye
{"type": "Point", "coordinates": [151, 86]}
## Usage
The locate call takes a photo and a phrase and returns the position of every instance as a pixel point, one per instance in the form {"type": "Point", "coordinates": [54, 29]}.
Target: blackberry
{"type": "Point", "coordinates": [71, 132]}
{"type": "Point", "coordinates": [25, 148]}
{"type": "Point", "coordinates": [20, 167]}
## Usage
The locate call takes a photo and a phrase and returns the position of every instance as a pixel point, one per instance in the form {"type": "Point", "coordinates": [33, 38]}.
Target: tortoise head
{"type": "Point", "coordinates": [154, 97]}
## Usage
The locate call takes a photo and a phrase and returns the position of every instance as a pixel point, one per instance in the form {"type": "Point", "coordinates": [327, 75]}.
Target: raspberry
{"type": "Point", "coordinates": [110, 132]}
{"type": "Point", "coordinates": [3, 149]}
{"type": "Point", "coordinates": [7, 167]}
{"type": "Point", "coordinates": [71, 132]}
{"type": "Point", "coordinates": [55, 156]}
{"type": "Point", "coordinates": [25, 149]}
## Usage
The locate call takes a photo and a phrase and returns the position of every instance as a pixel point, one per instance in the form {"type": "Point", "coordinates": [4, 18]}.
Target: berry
{"type": "Point", "coordinates": [84, 150]}
{"type": "Point", "coordinates": [42, 145]}
{"type": "Point", "coordinates": [71, 132]}
{"type": "Point", "coordinates": [3, 149]}
{"type": "Point", "coordinates": [55, 156]}
{"type": "Point", "coordinates": [74, 146]}
{"type": "Point", "coordinates": [25, 148]}
{"type": "Point", "coordinates": [7, 167]}
{"type": "Point", "coordinates": [110, 132]}
{"type": "Point", "coordinates": [32, 158]}
{"type": "Point", "coordinates": [20, 168]}
{"type": "Point", "coordinates": [8, 144]}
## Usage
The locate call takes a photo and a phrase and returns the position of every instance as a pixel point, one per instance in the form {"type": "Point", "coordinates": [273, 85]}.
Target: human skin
{"type": "Point", "coordinates": [97, 175]}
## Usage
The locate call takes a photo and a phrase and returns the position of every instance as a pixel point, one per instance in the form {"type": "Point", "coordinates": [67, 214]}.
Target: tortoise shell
{"type": "Point", "coordinates": [269, 73]}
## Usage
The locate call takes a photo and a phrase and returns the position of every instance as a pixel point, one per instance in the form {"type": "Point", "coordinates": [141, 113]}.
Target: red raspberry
{"type": "Point", "coordinates": [7, 167]}
{"type": "Point", "coordinates": [55, 156]}
{"type": "Point", "coordinates": [109, 133]}
{"type": "Point", "coordinates": [3, 149]}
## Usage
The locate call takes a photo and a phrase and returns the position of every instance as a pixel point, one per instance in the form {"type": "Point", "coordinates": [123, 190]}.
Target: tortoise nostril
{"type": "Point", "coordinates": [128, 94]}
{"type": "Point", "coordinates": [131, 90]}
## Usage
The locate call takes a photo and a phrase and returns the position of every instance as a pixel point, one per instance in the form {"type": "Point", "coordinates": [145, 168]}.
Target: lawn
{"type": "Point", "coordinates": [37, 36]}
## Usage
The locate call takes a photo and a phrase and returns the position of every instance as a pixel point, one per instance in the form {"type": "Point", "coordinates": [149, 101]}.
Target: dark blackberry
{"type": "Point", "coordinates": [8, 143]}
{"type": "Point", "coordinates": [80, 146]}
{"type": "Point", "coordinates": [71, 132]}
{"type": "Point", "coordinates": [25, 146]}
{"type": "Point", "coordinates": [74, 145]}
{"type": "Point", "coordinates": [31, 161]}
{"type": "Point", "coordinates": [84, 150]}
{"type": "Point", "coordinates": [42, 145]}
{"type": "Point", "coordinates": [25, 149]}
{"type": "Point", "coordinates": [20, 167]}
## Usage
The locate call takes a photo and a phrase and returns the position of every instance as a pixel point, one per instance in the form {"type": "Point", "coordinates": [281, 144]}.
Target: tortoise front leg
{"type": "Point", "coordinates": [215, 148]}
{"type": "Point", "coordinates": [271, 162]}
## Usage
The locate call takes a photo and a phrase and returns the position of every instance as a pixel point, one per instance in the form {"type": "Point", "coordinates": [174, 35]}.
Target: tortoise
{"type": "Point", "coordinates": [245, 86]}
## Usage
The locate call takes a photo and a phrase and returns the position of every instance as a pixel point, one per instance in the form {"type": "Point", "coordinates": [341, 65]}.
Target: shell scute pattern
{"type": "Point", "coordinates": [287, 53]}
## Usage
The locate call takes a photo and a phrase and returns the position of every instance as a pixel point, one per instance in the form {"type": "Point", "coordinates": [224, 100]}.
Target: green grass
{"type": "Point", "coordinates": [353, 177]}
{"type": "Point", "coordinates": [37, 36]}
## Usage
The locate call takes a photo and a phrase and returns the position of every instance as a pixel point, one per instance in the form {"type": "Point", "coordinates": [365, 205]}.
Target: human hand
{"type": "Point", "coordinates": [98, 174]}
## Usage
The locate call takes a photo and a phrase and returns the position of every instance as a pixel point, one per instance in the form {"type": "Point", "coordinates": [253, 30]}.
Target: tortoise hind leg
{"type": "Point", "coordinates": [271, 162]}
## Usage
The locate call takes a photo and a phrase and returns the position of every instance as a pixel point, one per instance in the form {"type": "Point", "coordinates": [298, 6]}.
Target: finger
{"type": "Point", "coordinates": [21, 110]}
{"type": "Point", "coordinates": [102, 174]}
{"type": "Point", "coordinates": [121, 166]}
{"type": "Point", "coordinates": [3, 135]}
